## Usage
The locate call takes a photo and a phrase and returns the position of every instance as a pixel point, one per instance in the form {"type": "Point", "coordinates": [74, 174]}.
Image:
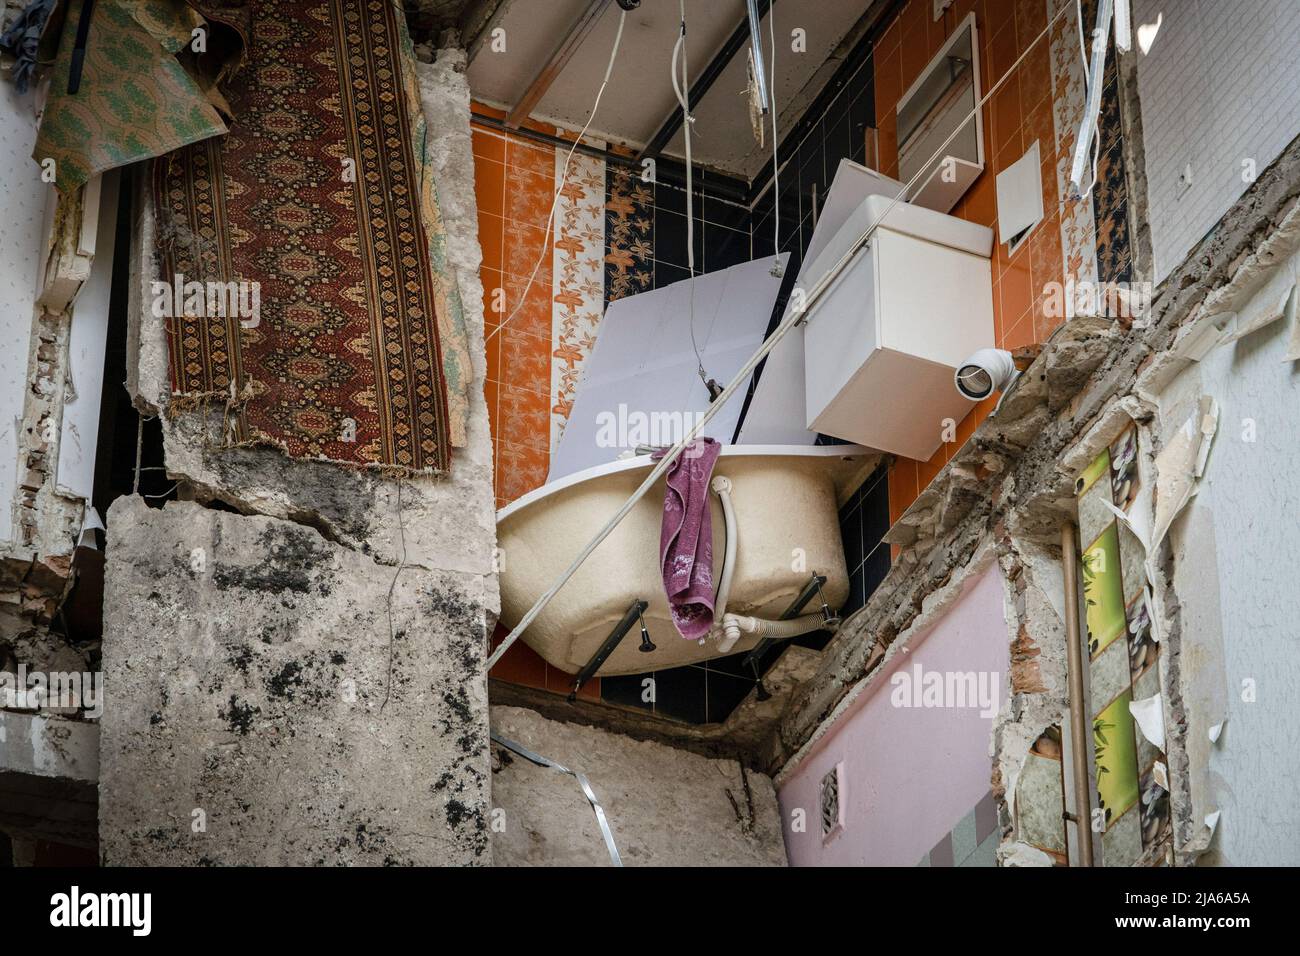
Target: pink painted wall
{"type": "Point", "coordinates": [910, 773]}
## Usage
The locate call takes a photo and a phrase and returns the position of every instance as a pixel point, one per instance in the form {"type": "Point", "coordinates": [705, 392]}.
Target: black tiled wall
{"type": "Point", "coordinates": [721, 225]}
{"type": "Point", "coordinates": [863, 521]}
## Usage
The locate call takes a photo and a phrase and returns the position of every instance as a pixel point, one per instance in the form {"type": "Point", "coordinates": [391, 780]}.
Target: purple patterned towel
{"type": "Point", "coordinates": [686, 541]}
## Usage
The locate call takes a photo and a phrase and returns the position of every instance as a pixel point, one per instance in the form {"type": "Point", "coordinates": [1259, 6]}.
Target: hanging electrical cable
{"type": "Point", "coordinates": [776, 169]}
{"type": "Point", "coordinates": [564, 175]}
{"type": "Point", "coordinates": [682, 90]}
{"type": "Point", "coordinates": [794, 316]}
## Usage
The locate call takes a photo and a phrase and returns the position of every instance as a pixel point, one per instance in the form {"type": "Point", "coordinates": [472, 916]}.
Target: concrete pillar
{"type": "Point", "coordinates": [298, 678]}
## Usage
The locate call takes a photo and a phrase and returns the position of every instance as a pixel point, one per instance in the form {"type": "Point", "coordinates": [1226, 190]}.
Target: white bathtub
{"type": "Point", "coordinates": [786, 498]}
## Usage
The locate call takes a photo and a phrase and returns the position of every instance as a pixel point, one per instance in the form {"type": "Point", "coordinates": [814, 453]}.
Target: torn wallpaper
{"type": "Point", "coordinates": [317, 212]}
{"type": "Point", "coordinates": [1123, 654]}
{"type": "Point", "coordinates": [143, 91]}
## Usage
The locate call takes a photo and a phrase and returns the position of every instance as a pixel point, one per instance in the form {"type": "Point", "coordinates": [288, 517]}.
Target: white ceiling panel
{"type": "Point", "coordinates": [722, 135]}
{"type": "Point", "coordinates": [533, 29]}
{"type": "Point", "coordinates": [640, 94]}
{"type": "Point", "coordinates": [639, 97]}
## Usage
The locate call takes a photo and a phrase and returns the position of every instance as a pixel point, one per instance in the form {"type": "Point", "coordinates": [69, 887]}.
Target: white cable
{"type": "Point", "coordinates": [1083, 47]}
{"type": "Point", "coordinates": [776, 170]}
{"type": "Point", "coordinates": [1093, 96]}
{"type": "Point", "coordinates": [1087, 84]}
{"type": "Point", "coordinates": [793, 318]}
{"type": "Point", "coordinates": [682, 92]}
{"type": "Point", "coordinates": [564, 175]}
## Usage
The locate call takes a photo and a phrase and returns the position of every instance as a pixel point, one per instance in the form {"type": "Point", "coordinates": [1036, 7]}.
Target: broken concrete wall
{"type": "Point", "coordinates": [48, 776]}
{"type": "Point", "coordinates": [249, 650]}
{"type": "Point", "coordinates": [22, 206]}
{"type": "Point", "coordinates": [302, 702]}
{"type": "Point", "coordinates": [448, 523]}
{"type": "Point", "coordinates": [666, 807]}
{"type": "Point", "coordinates": [47, 765]}
{"type": "Point", "coordinates": [1016, 472]}
{"type": "Point", "coordinates": [1234, 552]}
{"type": "Point", "coordinates": [1027, 774]}
{"type": "Point", "coordinates": [43, 264]}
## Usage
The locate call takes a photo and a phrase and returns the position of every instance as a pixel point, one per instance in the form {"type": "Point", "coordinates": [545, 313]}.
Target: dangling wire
{"type": "Point", "coordinates": [564, 175]}
{"type": "Point", "coordinates": [681, 87]}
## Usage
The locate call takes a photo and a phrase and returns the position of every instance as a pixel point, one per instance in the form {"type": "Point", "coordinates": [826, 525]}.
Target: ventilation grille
{"type": "Point", "coordinates": [830, 800]}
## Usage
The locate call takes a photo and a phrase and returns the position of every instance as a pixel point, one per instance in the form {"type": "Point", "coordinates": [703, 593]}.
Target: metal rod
{"type": "Point", "coordinates": [756, 50]}
{"type": "Point", "coordinates": [1078, 719]}
{"type": "Point", "coordinates": [607, 648]}
{"type": "Point", "coordinates": [79, 46]}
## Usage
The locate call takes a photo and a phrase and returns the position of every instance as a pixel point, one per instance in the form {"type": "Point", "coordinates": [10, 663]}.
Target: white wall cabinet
{"type": "Point", "coordinates": [881, 346]}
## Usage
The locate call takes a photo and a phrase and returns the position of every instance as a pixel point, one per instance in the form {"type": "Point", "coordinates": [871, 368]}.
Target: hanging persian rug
{"type": "Point", "coordinates": [302, 286]}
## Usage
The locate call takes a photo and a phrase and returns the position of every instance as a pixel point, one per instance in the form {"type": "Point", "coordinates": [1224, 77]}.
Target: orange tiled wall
{"type": "Point", "coordinates": [514, 181]}
{"type": "Point", "coordinates": [1020, 112]}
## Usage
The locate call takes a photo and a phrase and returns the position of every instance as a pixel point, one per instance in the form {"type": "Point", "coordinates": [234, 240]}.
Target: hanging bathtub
{"type": "Point", "coordinates": [786, 501]}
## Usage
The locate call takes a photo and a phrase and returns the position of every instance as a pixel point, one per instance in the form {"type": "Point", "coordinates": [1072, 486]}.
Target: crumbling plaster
{"type": "Point", "coordinates": [1235, 613]}
{"type": "Point", "coordinates": [48, 778]}
{"type": "Point", "coordinates": [308, 671]}
{"type": "Point", "coordinates": [42, 267]}
{"type": "Point", "coordinates": [1018, 468]}
{"type": "Point", "coordinates": [739, 737]}
{"type": "Point", "coordinates": [666, 807]}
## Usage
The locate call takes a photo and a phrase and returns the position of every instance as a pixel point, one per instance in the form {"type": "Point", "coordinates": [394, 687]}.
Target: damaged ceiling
{"type": "Point", "coordinates": [431, 17]}
{"type": "Point", "coordinates": [556, 53]}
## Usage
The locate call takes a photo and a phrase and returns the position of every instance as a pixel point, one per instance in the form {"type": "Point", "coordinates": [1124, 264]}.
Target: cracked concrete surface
{"type": "Point", "coordinates": [255, 681]}
{"type": "Point", "coordinates": [666, 807]}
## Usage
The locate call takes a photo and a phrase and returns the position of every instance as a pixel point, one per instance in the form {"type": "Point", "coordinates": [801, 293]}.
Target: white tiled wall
{"type": "Point", "coordinates": [1221, 85]}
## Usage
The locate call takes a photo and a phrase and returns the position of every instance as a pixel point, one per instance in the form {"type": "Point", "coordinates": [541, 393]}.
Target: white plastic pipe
{"type": "Point", "coordinates": [997, 364]}
{"type": "Point", "coordinates": [735, 626]}
{"type": "Point", "coordinates": [1092, 108]}
{"type": "Point", "coordinates": [756, 50]}
{"type": "Point", "coordinates": [1123, 26]}
{"type": "Point", "coordinates": [721, 485]}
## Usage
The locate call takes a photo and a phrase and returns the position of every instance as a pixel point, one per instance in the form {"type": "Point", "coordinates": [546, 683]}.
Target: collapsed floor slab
{"type": "Point", "coordinates": [666, 807]}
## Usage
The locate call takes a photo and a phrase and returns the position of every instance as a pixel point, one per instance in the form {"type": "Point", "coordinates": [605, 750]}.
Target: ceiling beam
{"type": "Point", "coordinates": [559, 59]}
{"type": "Point", "coordinates": [738, 40]}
